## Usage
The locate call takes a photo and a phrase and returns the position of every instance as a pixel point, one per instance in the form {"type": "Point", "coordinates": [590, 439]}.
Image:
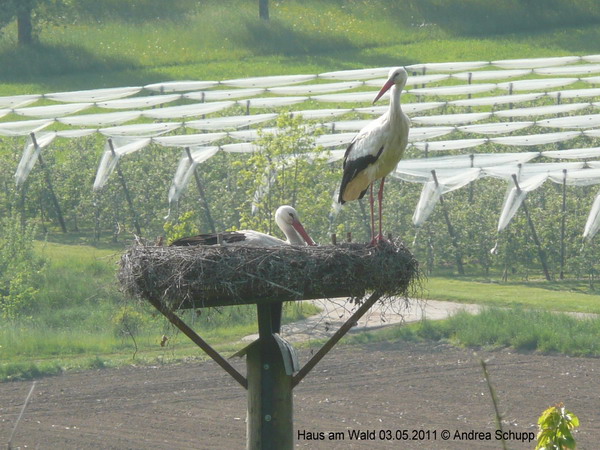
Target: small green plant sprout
{"type": "Point", "coordinates": [555, 425]}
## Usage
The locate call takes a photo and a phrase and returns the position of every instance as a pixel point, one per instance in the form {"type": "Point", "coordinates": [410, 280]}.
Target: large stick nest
{"type": "Point", "coordinates": [203, 276]}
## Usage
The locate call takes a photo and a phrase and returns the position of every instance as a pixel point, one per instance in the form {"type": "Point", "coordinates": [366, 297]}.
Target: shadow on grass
{"type": "Point", "coordinates": [484, 18]}
{"type": "Point", "coordinates": [19, 64]}
{"type": "Point", "coordinates": [274, 38]}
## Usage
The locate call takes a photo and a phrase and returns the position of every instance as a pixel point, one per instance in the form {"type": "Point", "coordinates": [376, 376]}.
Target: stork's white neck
{"type": "Point", "coordinates": [395, 106]}
{"type": "Point", "coordinates": [293, 238]}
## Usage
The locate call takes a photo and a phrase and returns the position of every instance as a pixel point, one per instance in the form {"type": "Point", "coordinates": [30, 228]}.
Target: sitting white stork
{"type": "Point", "coordinates": [286, 218]}
{"type": "Point", "coordinates": [376, 150]}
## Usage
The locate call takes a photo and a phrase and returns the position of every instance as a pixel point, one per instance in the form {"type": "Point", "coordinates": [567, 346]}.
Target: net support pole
{"type": "Point", "coordinates": [563, 220]}
{"type": "Point", "coordinates": [202, 195]}
{"type": "Point", "coordinates": [534, 235]}
{"type": "Point", "coordinates": [453, 236]}
{"type": "Point", "coordinates": [136, 224]}
{"type": "Point", "coordinates": [59, 214]}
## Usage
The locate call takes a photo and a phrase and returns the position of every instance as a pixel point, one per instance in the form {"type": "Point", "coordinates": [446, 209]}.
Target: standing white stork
{"type": "Point", "coordinates": [376, 149]}
{"type": "Point", "coordinates": [286, 218]}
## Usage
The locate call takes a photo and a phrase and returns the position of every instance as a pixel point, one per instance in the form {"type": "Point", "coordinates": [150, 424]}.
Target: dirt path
{"type": "Point", "coordinates": [385, 386]}
{"type": "Point", "coordinates": [334, 312]}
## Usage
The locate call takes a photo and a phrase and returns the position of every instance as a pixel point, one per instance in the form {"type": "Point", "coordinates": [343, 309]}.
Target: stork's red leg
{"type": "Point", "coordinates": [380, 198]}
{"type": "Point", "coordinates": [372, 201]}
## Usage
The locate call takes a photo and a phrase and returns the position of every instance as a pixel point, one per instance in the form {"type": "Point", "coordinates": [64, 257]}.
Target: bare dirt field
{"type": "Point", "coordinates": [385, 387]}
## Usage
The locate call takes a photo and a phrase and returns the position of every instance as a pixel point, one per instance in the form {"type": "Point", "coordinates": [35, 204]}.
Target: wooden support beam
{"type": "Point", "coordinates": [339, 334]}
{"type": "Point", "coordinates": [536, 240]}
{"type": "Point", "coordinates": [202, 195]}
{"type": "Point", "coordinates": [196, 339]}
{"type": "Point", "coordinates": [136, 224]}
{"type": "Point", "coordinates": [453, 236]}
{"type": "Point", "coordinates": [270, 398]}
{"type": "Point", "coordinates": [46, 171]}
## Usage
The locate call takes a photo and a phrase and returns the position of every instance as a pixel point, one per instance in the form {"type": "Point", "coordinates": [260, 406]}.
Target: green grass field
{"type": "Point", "coordinates": [74, 324]}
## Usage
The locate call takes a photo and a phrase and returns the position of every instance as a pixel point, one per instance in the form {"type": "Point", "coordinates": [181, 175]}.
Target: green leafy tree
{"type": "Point", "coordinates": [20, 268]}
{"type": "Point", "coordinates": [556, 424]}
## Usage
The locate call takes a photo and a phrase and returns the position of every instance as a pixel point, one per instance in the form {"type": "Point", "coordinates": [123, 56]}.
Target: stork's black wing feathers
{"type": "Point", "coordinates": [352, 167]}
{"type": "Point", "coordinates": [209, 239]}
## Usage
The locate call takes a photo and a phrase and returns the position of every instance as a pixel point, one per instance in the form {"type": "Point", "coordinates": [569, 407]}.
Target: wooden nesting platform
{"type": "Point", "coordinates": [206, 276]}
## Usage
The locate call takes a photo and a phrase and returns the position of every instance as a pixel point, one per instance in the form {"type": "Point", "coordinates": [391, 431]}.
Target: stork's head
{"type": "Point", "coordinates": [397, 77]}
{"type": "Point", "coordinates": [287, 218]}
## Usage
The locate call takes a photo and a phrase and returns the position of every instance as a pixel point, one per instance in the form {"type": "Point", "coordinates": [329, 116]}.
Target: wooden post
{"type": "Point", "coordinates": [202, 195]}
{"type": "Point", "coordinates": [270, 400]}
{"type": "Point", "coordinates": [453, 237]}
{"type": "Point", "coordinates": [563, 219]}
{"type": "Point", "coordinates": [138, 230]}
{"type": "Point", "coordinates": [59, 214]}
{"type": "Point", "coordinates": [541, 252]}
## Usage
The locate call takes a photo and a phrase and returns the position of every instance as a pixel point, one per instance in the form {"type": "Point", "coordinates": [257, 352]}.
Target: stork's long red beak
{"type": "Point", "coordinates": [388, 84]}
{"type": "Point", "coordinates": [300, 229]}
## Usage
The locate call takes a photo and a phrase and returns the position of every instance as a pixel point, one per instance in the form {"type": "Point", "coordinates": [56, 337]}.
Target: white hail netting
{"type": "Point", "coordinates": [454, 144]}
{"type": "Point", "coordinates": [580, 69]}
{"type": "Point", "coordinates": [530, 179]}
{"type": "Point", "coordinates": [52, 111]}
{"type": "Point", "coordinates": [463, 89]}
{"type": "Point", "coordinates": [497, 100]}
{"type": "Point", "coordinates": [491, 74]}
{"type": "Point", "coordinates": [272, 81]}
{"type": "Point", "coordinates": [15, 101]}
{"type": "Point", "coordinates": [542, 110]}
{"type": "Point", "coordinates": [358, 74]}
{"type": "Point", "coordinates": [351, 97]}
{"type": "Point", "coordinates": [533, 63]}
{"type": "Point", "coordinates": [274, 102]}
{"type": "Point", "coordinates": [536, 139]}
{"type": "Point", "coordinates": [110, 158]}
{"type": "Point", "coordinates": [186, 168]}
{"type": "Point", "coordinates": [449, 66]}
{"type": "Point", "coordinates": [180, 86]}
{"type": "Point", "coordinates": [100, 120]}
{"type": "Point", "coordinates": [436, 187]}
{"type": "Point", "coordinates": [139, 102]}
{"type": "Point", "coordinates": [540, 84]}
{"type": "Point", "coordinates": [587, 121]}
{"type": "Point", "coordinates": [494, 128]}
{"type": "Point", "coordinates": [593, 221]}
{"type": "Point", "coordinates": [298, 88]}
{"type": "Point", "coordinates": [573, 153]}
{"type": "Point", "coordinates": [311, 114]}
{"type": "Point", "coordinates": [314, 88]}
{"type": "Point", "coordinates": [451, 119]}
{"type": "Point", "coordinates": [223, 94]}
{"type": "Point", "coordinates": [189, 140]}
{"type": "Point", "coordinates": [31, 153]}
{"type": "Point", "coordinates": [140, 130]}
{"type": "Point", "coordinates": [23, 127]}
{"type": "Point", "coordinates": [183, 111]}
{"type": "Point", "coordinates": [93, 95]}
{"type": "Point", "coordinates": [220, 123]}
